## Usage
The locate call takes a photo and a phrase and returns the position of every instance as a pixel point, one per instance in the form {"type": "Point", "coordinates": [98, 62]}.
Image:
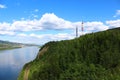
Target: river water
{"type": "Point", "coordinates": [12, 61]}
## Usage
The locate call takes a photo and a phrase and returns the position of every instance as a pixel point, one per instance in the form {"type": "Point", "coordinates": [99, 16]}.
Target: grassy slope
{"type": "Point", "coordinates": [93, 56]}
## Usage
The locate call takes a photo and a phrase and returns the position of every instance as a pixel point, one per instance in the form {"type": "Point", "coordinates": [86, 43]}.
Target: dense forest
{"type": "Point", "coordinates": [94, 56]}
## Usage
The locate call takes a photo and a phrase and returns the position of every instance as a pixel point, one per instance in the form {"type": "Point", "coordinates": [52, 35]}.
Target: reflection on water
{"type": "Point", "coordinates": [12, 61]}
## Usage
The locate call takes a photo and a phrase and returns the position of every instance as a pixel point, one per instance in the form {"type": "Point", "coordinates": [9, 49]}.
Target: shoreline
{"type": "Point", "coordinates": [8, 48]}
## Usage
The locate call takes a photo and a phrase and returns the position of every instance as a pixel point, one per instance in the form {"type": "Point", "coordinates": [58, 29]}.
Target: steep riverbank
{"type": "Point", "coordinates": [93, 56]}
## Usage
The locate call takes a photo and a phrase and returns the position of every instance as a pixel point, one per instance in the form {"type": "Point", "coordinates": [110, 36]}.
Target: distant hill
{"type": "Point", "coordinates": [11, 45]}
{"type": "Point", "coordinates": [94, 56]}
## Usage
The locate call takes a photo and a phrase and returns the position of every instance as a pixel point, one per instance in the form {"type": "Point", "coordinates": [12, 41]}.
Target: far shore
{"type": "Point", "coordinates": [8, 48]}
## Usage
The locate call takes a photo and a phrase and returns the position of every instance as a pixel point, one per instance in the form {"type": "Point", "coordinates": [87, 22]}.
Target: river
{"type": "Point", "coordinates": [12, 61]}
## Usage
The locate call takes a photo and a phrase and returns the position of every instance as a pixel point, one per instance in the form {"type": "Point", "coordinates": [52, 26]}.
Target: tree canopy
{"type": "Point", "coordinates": [94, 56]}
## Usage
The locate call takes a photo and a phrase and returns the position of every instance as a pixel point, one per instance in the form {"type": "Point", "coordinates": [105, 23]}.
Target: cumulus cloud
{"type": "Point", "coordinates": [50, 21]}
{"type": "Point", "coordinates": [26, 25]}
{"type": "Point", "coordinates": [113, 23]}
{"type": "Point", "coordinates": [5, 26]}
{"type": "Point", "coordinates": [2, 6]}
{"type": "Point", "coordinates": [43, 38]}
{"type": "Point", "coordinates": [22, 35]}
{"type": "Point", "coordinates": [47, 21]}
{"type": "Point", "coordinates": [58, 36]}
{"type": "Point", "coordinates": [91, 26]}
{"type": "Point", "coordinates": [7, 33]}
{"type": "Point", "coordinates": [95, 26]}
{"type": "Point", "coordinates": [117, 13]}
{"type": "Point", "coordinates": [5, 29]}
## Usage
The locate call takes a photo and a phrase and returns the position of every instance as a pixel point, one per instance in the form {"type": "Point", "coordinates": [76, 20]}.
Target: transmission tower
{"type": "Point", "coordinates": [76, 31]}
{"type": "Point", "coordinates": [82, 29]}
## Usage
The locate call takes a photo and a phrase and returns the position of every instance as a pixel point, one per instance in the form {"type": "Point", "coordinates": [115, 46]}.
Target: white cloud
{"type": "Point", "coordinates": [2, 6]}
{"type": "Point", "coordinates": [50, 21]}
{"type": "Point", "coordinates": [117, 13]}
{"type": "Point", "coordinates": [5, 29]}
{"type": "Point", "coordinates": [36, 10]}
{"type": "Point", "coordinates": [47, 21]}
{"type": "Point", "coordinates": [34, 16]}
{"type": "Point", "coordinates": [59, 36]}
{"type": "Point", "coordinates": [95, 26]}
{"type": "Point", "coordinates": [5, 26]}
{"type": "Point", "coordinates": [7, 33]}
{"type": "Point", "coordinates": [113, 23]}
{"type": "Point", "coordinates": [91, 26]}
{"type": "Point", "coordinates": [22, 35]}
{"type": "Point", "coordinates": [43, 38]}
{"type": "Point", "coordinates": [36, 36]}
{"type": "Point", "coordinates": [26, 25]}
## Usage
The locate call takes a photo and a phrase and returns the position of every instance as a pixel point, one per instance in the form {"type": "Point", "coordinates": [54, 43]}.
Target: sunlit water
{"type": "Point", "coordinates": [12, 61]}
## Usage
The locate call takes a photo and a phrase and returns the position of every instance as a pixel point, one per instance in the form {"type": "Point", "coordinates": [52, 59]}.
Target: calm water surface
{"type": "Point", "coordinates": [12, 61]}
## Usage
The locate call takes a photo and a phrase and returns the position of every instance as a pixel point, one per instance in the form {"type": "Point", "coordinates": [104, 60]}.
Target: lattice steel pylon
{"type": "Point", "coordinates": [76, 31]}
{"type": "Point", "coordinates": [82, 29]}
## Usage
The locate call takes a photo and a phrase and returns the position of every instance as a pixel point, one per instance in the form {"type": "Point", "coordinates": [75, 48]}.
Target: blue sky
{"type": "Point", "coordinates": [40, 21]}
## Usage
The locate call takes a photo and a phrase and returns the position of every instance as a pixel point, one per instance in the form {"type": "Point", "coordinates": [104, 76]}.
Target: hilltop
{"type": "Point", "coordinates": [94, 56]}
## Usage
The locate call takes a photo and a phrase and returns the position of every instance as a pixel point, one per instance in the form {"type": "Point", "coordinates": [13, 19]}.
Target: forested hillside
{"type": "Point", "coordinates": [94, 56]}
